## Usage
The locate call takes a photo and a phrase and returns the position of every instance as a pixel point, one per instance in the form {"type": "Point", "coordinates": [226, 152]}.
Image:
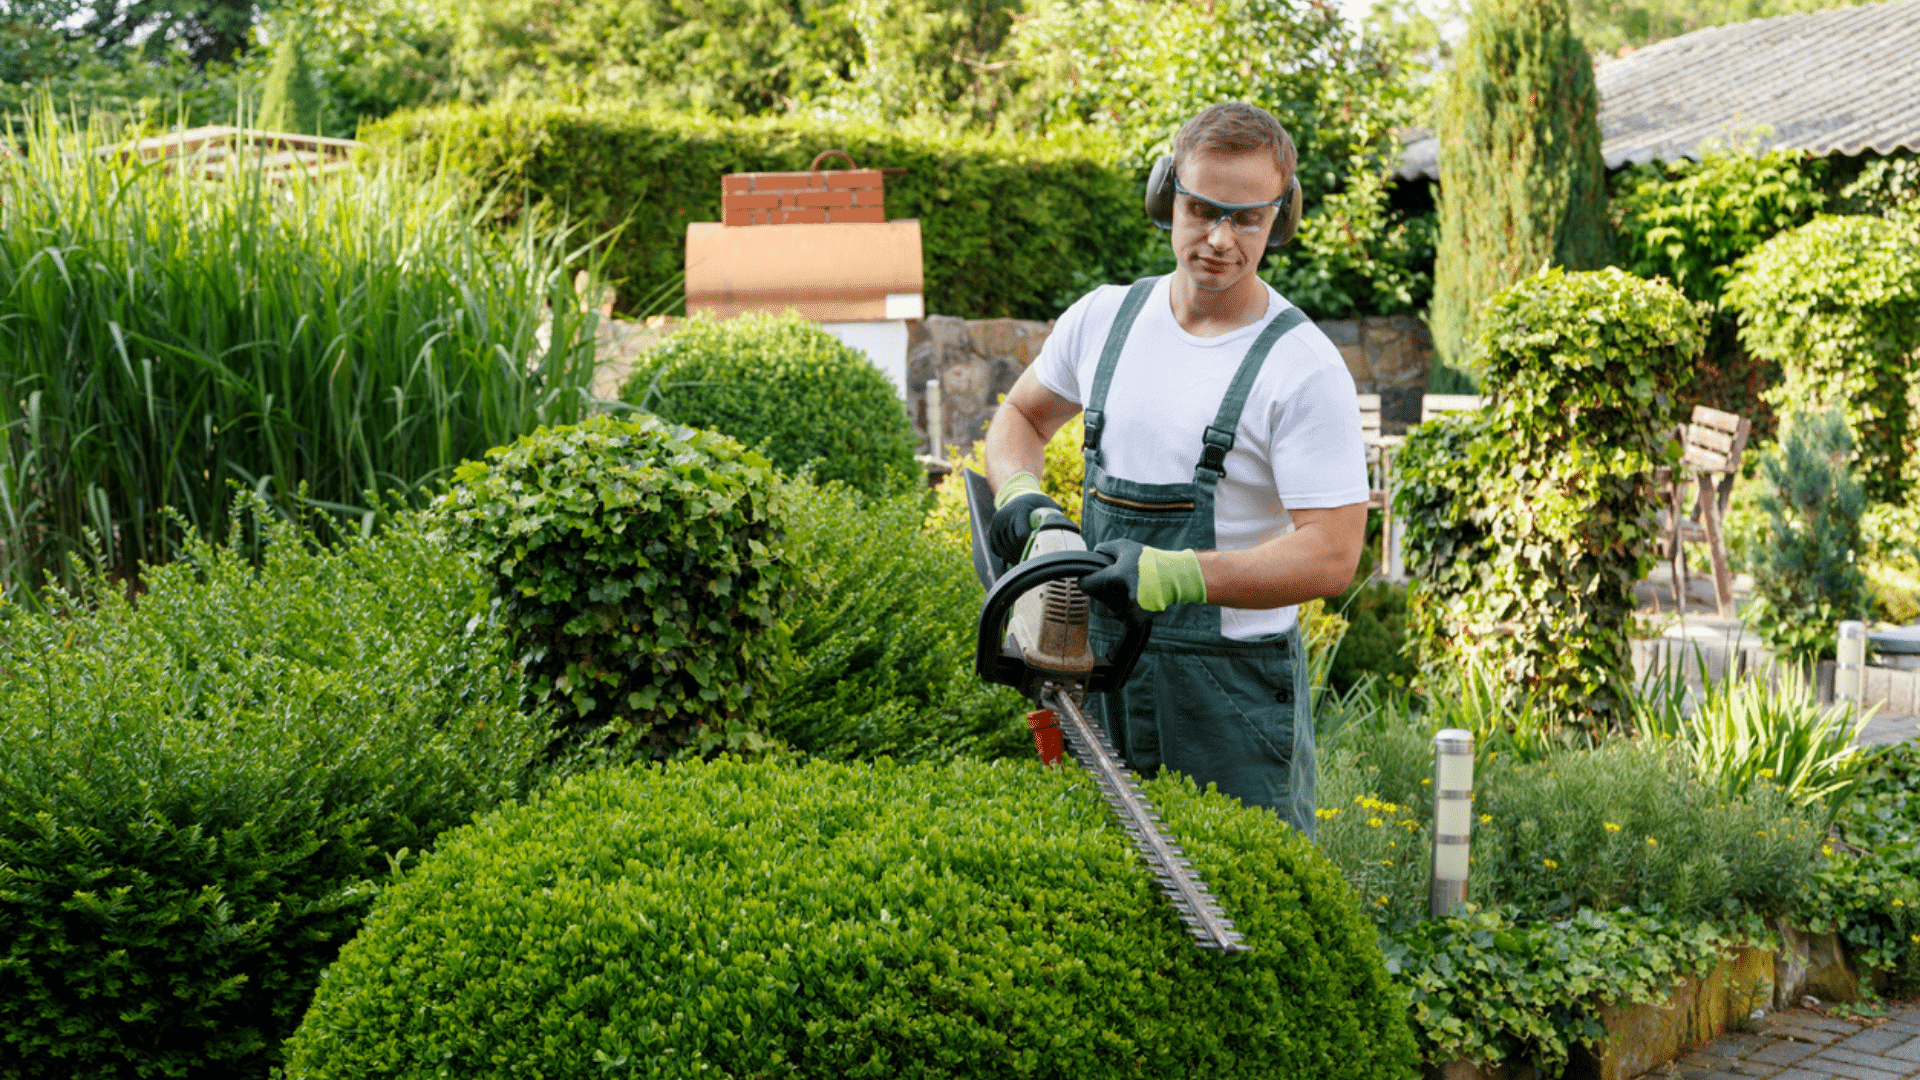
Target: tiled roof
{"type": "Point", "coordinates": [1842, 81]}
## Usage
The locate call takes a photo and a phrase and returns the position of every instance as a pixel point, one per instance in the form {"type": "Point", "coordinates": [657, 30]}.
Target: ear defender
{"type": "Point", "coordinates": [1160, 205]}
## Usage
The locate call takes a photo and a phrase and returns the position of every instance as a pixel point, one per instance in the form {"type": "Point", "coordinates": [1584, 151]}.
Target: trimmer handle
{"type": "Point", "coordinates": [990, 659]}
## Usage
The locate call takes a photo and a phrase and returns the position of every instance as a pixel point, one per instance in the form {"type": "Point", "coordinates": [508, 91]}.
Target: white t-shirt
{"type": "Point", "coordinates": [1298, 444]}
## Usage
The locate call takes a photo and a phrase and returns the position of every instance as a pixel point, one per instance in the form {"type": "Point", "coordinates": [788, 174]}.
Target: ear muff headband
{"type": "Point", "coordinates": [1160, 205]}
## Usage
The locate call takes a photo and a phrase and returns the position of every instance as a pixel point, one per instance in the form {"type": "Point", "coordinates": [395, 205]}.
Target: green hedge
{"type": "Point", "coordinates": [1836, 304]}
{"type": "Point", "coordinates": [968, 920]}
{"type": "Point", "coordinates": [1529, 521]}
{"type": "Point", "coordinates": [636, 565]}
{"type": "Point", "coordinates": [787, 388]}
{"type": "Point", "coordinates": [1009, 226]}
{"type": "Point", "coordinates": [203, 793]}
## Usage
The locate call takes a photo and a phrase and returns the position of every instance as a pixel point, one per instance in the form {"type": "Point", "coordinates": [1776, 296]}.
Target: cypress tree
{"type": "Point", "coordinates": [292, 100]}
{"type": "Point", "coordinates": [1522, 183]}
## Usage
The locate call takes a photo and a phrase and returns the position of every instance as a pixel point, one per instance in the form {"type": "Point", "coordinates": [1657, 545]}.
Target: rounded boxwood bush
{"type": "Point", "coordinates": [635, 564]}
{"type": "Point", "coordinates": [781, 384]}
{"type": "Point", "coordinates": [961, 920]}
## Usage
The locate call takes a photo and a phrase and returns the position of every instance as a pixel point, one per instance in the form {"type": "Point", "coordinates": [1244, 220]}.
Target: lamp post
{"type": "Point", "coordinates": [1452, 819]}
{"type": "Point", "coordinates": [936, 422]}
{"type": "Point", "coordinates": [1850, 655]}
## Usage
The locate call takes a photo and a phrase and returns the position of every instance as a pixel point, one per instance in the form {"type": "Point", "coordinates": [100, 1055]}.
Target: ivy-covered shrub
{"type": "Point", "coordinates": [787, 388]}
{"type": "Point", "coordinates": [882, 632]}
{"type": "Point", "coordinates": [1529, 521]}
{"type": "Point", "coordinates": [1869, 891]}
{"type": "Point", "coordinates": [635, 564]}
{"type": "Point", "coordinates": [205, 790]}
{"type": "Point", "coordinates": [1807, 575]}
{"type": "Point", "coordinates": [967, 920]}
{"type": "Point", "coordinates": [1006, 223]}
{"type": "Point", "coordinates": [1836, 304]}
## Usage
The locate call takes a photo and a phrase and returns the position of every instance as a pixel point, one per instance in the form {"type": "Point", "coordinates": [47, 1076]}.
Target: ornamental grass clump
{"type": "Point", "coordinates": [636, 566]}
{"type": "Point", "coordinates": [206, 788]}
{"type": "Point", "coordinates": [784, 386]}
{"type": "Point", "coordinates": [166, 340]}
{"type": "Point", "coordinates": [833, 921]}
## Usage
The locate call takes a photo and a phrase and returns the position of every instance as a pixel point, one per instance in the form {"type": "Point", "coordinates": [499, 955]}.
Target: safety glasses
{"type": "Point", "coordinates": [1246, 218]}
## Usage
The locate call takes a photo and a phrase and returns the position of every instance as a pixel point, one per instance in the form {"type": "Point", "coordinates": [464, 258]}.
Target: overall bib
{"type": "Point", "coordinates": [1221, 710]}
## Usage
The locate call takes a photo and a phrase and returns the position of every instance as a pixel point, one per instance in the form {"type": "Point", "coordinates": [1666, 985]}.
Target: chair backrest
{"type": "Point", "coordinates": [1715, 440]}
{"type": "Point", "coordinates": [1432, 405]}
{"type": "Point", "coordinates": [1369, 417]}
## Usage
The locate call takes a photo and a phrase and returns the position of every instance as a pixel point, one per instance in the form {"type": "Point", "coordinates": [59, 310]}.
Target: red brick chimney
{"type": "Point", "coordinates": [815, 197]}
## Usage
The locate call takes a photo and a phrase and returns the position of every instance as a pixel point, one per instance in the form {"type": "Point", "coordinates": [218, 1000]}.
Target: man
{"type": "Point", "coordinates": [1224, 473]}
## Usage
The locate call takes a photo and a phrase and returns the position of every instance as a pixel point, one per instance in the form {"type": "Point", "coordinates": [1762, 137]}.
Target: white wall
{"type": "Point", "coordinates": [885, 343]}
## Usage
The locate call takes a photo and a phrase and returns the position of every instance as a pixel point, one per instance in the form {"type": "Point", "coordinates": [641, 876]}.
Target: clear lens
{"type": "Point", "coordinates": [1248, 221]}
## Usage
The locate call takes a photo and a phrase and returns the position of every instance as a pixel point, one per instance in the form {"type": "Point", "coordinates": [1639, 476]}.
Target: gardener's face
{"type": "Point", "coordinates": [1213, 252]}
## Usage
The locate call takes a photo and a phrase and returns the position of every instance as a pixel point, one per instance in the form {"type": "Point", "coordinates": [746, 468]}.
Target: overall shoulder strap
{"type": "Point", "coordinates": [1219, 436]}
{"type": "Point", "coordinates": [1110, 358]}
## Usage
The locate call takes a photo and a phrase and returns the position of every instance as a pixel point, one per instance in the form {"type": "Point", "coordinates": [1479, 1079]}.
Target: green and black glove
{"type": "Point", "coordinates": [1020, 510]}
{"type": "Point", "coordinates": [1145, 580]}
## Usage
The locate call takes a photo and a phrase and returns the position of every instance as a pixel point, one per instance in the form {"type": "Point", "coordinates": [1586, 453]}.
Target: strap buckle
{"type": "Point", "coordinates": [1095, 420]}
{"type": "Point", "coordinates": [1214, 456]}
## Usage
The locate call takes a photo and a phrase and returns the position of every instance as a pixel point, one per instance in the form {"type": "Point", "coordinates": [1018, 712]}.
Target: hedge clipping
{"type": "Point", "coordinates": [786, 387]}
{"type": "Point", "coordinates": [634, 563]}
{"type": "Point", "coordinates": [834, 921]}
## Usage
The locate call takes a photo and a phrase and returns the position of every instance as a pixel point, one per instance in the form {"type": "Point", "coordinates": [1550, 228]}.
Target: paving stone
{"type": "Point", "coordinates": [1911, 1016]}
{"type": "Point", "coordinates": [1755, 1068]}
{"type": "Point", "coordinates": [1826, 1023]}
{"type": "Point", "coordinates": [1711, 1074]}
{"type": "Point", "coordinates": [1801, 1074]}
{"type": "Point", "coordinates": [1804, 1034]}
{"type": "Point", "coordinates": [1783, 1052]}
{"type": "Point", "coordinates": [1901, 1025]}
{"type": "Point", "coordinates": [1855, 1066]}
{"type": "Point", "coordinates": [1906, 1051]}
{"type": "Point", "coordinates": [1873, 1040]}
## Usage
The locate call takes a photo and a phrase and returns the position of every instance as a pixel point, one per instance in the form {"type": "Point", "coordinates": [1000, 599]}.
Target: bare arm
{"type": "Point", "coordinates": [1017, 438]}
{"type": "Point", "coordinates": [1316, 559]}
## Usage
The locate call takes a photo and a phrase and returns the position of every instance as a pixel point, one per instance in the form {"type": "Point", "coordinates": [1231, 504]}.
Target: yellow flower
{"type": "Point", "coordinates": [1899, 903]}
{"type": "Point", "coordinates": [1486, 819]}
{"type": "Point", "coordinates": [1375, 822]}
{"type": "Point", "coordinates": [1327, 815]}
{"type": "Point", "coordinates": [1549, 864]}
{"type": "Point", "coordinates": [1651, 842]}
{"type": "Point", "coordinates": [1827, 850]}
{"type": "Point", "coordinates": [1428, 781]}
{"type": "Point", "coordinates": [1916, 938]}
{"type": "Point", "coordinates": [1611, 827]}
{"type": "Point", "coordinates": [1762, 834]}
{"type": "Point", "coordinates": [1382, 902]}
{"type": "Point", "coordinates": [1766, 774]}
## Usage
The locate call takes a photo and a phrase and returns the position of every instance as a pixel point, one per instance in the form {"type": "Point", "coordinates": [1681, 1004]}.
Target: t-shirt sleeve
{"type": "Point", "coordinates": [1058, 365]}
{"type": "Point", "coordinates": [1319, 458]}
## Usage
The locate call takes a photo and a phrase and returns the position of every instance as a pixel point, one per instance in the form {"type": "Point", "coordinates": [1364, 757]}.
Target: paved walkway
{"type": "Point", "coordinates": [1800, 1044]}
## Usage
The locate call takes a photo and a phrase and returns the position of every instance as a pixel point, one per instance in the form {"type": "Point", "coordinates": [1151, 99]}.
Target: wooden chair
{"type": "Point", "coordinates": [1712, 445]}
{"type": "Point", "coordinates": [1432, 405]}
{"type": "Point", "coordinates": [1380, 448]}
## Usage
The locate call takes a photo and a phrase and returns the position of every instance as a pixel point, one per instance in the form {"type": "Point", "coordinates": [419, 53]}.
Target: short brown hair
{"type": "Point", "coordinates": [1235, 127]}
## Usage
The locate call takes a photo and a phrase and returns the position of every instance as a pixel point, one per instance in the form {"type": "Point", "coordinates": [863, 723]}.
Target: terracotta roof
{"type": "Point", "coordinates": [853, 272]}
{"type": "Point", "coordinates": [1843, 81]}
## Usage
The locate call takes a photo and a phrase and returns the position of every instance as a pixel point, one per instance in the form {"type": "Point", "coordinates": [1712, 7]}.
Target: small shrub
{"type": "Point", "coordinates": [1375, 642]}
{"type": "Point", "coordinates": [1892, 564]}
{"type": "Point", "coordinates": [787, 388]}
{"type": "Point", "coordinates": [1869, 890]}
{"type": "Point", "coordinates": [1062, 477]}
{"type": "Point", "coordinates": [1836, 304]}
{"type": "Point", "coordinates": [1806, 573]}
{"type": "Point", "coordinates": [206, 789]}
{"type": "Point", "coordinates": [854, 921]}
{"type": "Point", "coordinates": [1529, 522]}
{"type": "Point", "coordinates": [635, 565]}
{"type": "Point", "coordinates": [883, 629]}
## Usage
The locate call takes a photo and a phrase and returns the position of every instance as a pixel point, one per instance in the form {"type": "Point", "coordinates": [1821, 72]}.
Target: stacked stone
{"type": "Point", "coordinates": [804, 198]}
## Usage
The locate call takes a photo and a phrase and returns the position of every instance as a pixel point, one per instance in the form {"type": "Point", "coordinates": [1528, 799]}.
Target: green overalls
{"type": "Point", "coordinates": [1221, 710]}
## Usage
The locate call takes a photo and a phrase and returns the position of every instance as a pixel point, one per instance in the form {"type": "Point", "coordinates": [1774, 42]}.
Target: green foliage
{"type": "Point", "coordinates": [1806, 577]}
{"type": "Point", "coordinates": [1523, 186]}
{"type": "Point", "coordinates": [883, 637]}
{"type": "Point", "coordinates": [1758, 732]}
{"type": "Point", "coordinates": [1690, 221]}
{"type": "Point", "coordinates": [1889, 187]}
{"type": "Point", "coordinates": [854, 921]}
{"type": "Point", "coordinates": [1529, 521]}
{"type": "Point", "coordinates": [787, 388]}
{"type": "Point", "coordinates": [1005, 224]}
{"type": "Point", "coordinates": [1870, 891]}
{"type": "Point", "coordinates": [205, 790]}
{"type": "Point", "coordinates": [1490, 988]}
{"type": "Point", "coordinates": [1355, 257]}
{"type": "Point", "coordinates": [1376, 635]}
{"type": "Point", "coordinates": [291, 99]}
{"type": "Point", "coordinates": [1836, 304]}
{"type": "Point", "coordinates": [635, 564]}
{"type": "Point", "coordinates": [162, 339]}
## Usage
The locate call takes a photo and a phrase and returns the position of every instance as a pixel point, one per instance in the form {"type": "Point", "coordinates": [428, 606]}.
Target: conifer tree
{"type": "Point", "coordinates": [292, 100]}
{"type": "Point", "coordinates": [1522, 185]}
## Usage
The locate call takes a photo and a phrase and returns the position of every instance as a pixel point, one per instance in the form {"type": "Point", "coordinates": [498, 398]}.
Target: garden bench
{"type": "Point", "coordinates": [1711, 447]}
{"type": "Point", "coordinates": [1432, 405]}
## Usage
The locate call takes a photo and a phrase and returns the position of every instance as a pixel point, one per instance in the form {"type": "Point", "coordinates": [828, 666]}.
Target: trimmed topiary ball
{"type": "Point", "coordinates": [635, 565]}
{"type": "Point", "coordinates": [833, 921]}
{"type": "Point", "coordinates": [783, 385]}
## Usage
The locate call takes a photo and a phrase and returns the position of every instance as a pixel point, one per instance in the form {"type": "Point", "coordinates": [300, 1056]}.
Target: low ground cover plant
{"type": "Point", "coordinates": [849, 921]}
{"type": "Point", "coordinates": [1869, 891]}
{"type": "Point", "coordinates": [164, 339]}
{"type": "Point", "coordinates": [785, 387]}
{"type": "Point", "coordinates": [635, 565]}
{"type": "Point", "coordinates": [205, 789]}
{"type": "Point", "coordinates": [882, 637]}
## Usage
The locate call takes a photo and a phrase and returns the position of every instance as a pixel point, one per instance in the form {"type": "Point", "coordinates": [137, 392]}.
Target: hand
{"type": "Point", "coordinates": [1144, 580]}
{"type": "Point", "coordinates": [1023, 511]}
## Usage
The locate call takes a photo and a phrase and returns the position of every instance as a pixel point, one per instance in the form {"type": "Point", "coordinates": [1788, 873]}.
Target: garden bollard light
{"type": "Point", "coordinates": [1452, 819]}
{"type": "Point", "coordinates": [936, 422]}
{"type": "Point", "coordinates": [1849, 657]}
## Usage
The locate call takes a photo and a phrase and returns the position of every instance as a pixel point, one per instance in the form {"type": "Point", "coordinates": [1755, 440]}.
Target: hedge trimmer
{"type": "Point", "coordinates": [1033, 637]}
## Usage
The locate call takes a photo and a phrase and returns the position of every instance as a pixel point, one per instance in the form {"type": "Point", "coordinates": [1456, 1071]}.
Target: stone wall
{"type": "Point", "coordinates": [978, 360]}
